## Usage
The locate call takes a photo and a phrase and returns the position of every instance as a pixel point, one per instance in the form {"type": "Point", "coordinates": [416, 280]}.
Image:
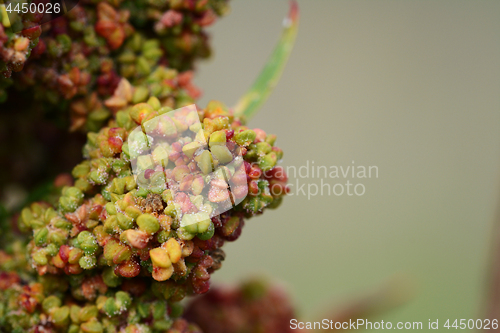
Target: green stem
{"type": "Point", "coordinates": [250, 103]}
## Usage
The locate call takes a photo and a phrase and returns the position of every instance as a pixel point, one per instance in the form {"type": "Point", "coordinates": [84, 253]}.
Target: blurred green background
{"type": "Point", "coordinates": [409, 86]}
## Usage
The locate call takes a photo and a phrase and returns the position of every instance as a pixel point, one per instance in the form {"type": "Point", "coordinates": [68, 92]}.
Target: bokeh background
{"type": "Point", "coordinates": [409, 86]}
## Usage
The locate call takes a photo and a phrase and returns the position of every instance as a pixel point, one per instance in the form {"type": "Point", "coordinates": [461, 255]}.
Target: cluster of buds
{"type": "Point", "coordinates": [39, 306]}
{"type": "Point", "coordinates": [87, 113]}
{"type": "Point", "coordinates": [56, 303]}
{"type": "Point", "coordinates": [75, 54]}
{"type": "Point", "coordinates": [159, 194]}
{"type": "Point", "coordinates": [18, 36]}
{"type": "Point", "coordinates": [180, 26]}
{"type": "Point", "coordinates": [141, 223]}
{"type": "Point", "coordinates": [254, 306]}
{"type": "Point", "coordinates": [97, 43]}
{"type": "Point", "coordinates": [171, 88]}
{"type": "Point", "coordinates": [79, 60]}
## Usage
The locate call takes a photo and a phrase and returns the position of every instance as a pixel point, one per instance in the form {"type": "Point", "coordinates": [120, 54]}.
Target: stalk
{"type": "Point", "coordinates": [268, 78]}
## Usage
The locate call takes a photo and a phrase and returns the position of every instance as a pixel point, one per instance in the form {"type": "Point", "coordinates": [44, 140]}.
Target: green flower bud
{"type": "Point", "coordinates": [148, 223]}
{"type": "Point", "coordinates": [191, 228]}
{"type": "Point", "coordinates": [41, 237]}
{"type": "Point", "coordinates": [130, 183]}
{"type": "Point", "coordinates": [50, 303]}
{"type": "Point", "coordinates": [140, 95]}
{"type": "Point", "coordinates": [74, 328]}
{"type": "Point", "coordinates": [118, 185]}
{"type": "Point", "coordinates": [126, 57]}
{"type": "Point", "coordinates": [51, 249]}
{"type": "Point", "coordinates": [61, 223]}
{"type": "Point", "coordinates": [263, 148]}
{"type": "Point", "coordinates": [60, 317]}
{"type": "Point", "coordinates": [205, 162]}
{"type": "Point", "coordinates": [65, 42]}
{"type": "Point", "coordinates": [37, 209]}
{"type": "Point", "coordinates": [163, 236]}
{"type": "Point", "coordinates": [40, 258]}
{"type": "Point", "coordinates": [150, 45]}
{"type": "Point", "coordinates": [110, 307]}
{"type": "Point", "coordinates": [87, 313]}
{"type": "Point", "coordinates": [111, 224]}
{"type": "Point", "coordinates": [231, 225]}
{"type": "Point", "coordinates": [57, 238]}
{"type": "Point", "coordinates": [167, 196]}
{"type": "Point", "coordinates": [222, 154]}
{"type": "Point", "coordinates": [37, 223]}
{"type": "Point", "coordinates": [117, 252]}
{"type": "Point", "coordinates": [204, 225]}
{"type": "Point", "coordinates": [268, 161]}
{"type": "Point", "coordinates": [142, 192]}
{"type": "Point", "coordinates": [159, 310]}
{"type": "Point", "coordinates": [73, 192]}
{"type": "Point", "coordinates": [26, 218]}
{"type": "Point", "coordinates": [143, 65]}
{"type": "Point", "coordinates": [74, 313]}
{"type": "Point", "coordinates": [245, 137]}
{"type": "Point", "coordinates": [115, 197]}
{"type": "Point", "coordinates": [123, 120]}
{"type": "Point", "coordinates": [158, 179]}
{"type": "Point", "coordinates": [145, 162]}
{"type": "Point", "coordinates": [143, 310]}
{"type": "Point", "coordinates": [252, 153]}
{"type": "Point", "coordinates": [190, 148]}
{"type": "Point", "coordinates": [154, 102]}
{"type": "Point", "coordinates": [217, 138]}
{"type": "Point", "coordinates": [87, 242]}
{"type": "Point", "coordinates": [140, 112]}
{"type": "Point", "coordinates": [183, 234]}
{"type": "Point", "coordinates": [49, 214]}
{"type": "Point", "coordinates": [125, 222]}
{"type": "Point", "coordinates": [208, 233]}
{"type": "Point", "coordinates": [96, 177]}
{"type": "Point", "coordinates": [123, 300]}
{"type": "Point", "coordinates": [81, 170]}
{"type": "Point", "coordinates": [271, 139]}
{"type": "Point", "coordinates": [87, 262]}
{"type": "Point", "coordinates": [74, 255]}
{"type": "Point", "coordinates": [133, 212]}
{"type": "Point", "coordinates": [92, 326]}
{"type": "Point", "coordinates": [275, 203]}
{"type": "Point", "coordinates": [68, 204]}
{"type": "Point", "coordinates": [110, 208]}
{"type": "Point", "coordinates": [83, 185]}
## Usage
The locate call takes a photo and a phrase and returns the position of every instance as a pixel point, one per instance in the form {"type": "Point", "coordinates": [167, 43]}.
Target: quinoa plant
{"type": "Point", "coordinates": [139, 225]}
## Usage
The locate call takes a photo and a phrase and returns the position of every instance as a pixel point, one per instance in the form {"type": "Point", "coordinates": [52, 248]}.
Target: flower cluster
{"type": "Point", "coordinates": [72, 78]}
{"type": "Point", "coordinates": [30, 306]}
{"type": "Point", "coordinates": [138, 214]}
{"type": "Point", "coordinates": [180, 26]}
{"type": "Point", "coordinates": [253, 306]}
{"type": "Point", "coordinates": [99, 42]}
{"type": "Point", "coordinates": [140, 223]}
{"type": "Point", "coordinates": [15, 47]}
